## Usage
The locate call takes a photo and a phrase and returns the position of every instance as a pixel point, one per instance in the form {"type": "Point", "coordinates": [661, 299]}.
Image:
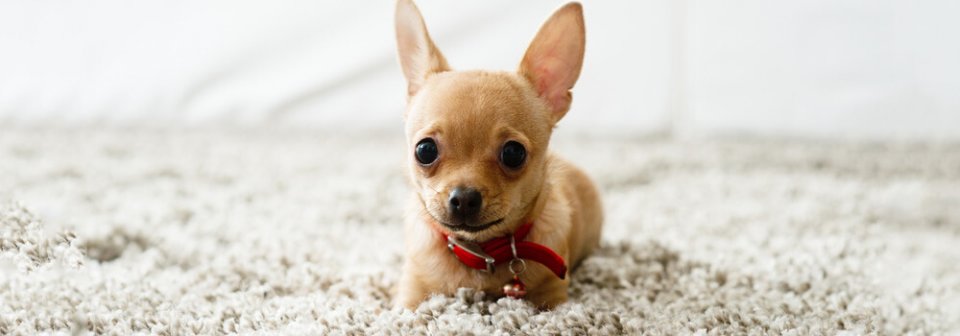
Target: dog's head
{"type": "Point", "coordinates": [477, 140]}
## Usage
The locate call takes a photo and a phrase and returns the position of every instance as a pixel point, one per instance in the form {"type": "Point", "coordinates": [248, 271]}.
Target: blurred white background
{"type": "Point", "coordinates": [881, 69]}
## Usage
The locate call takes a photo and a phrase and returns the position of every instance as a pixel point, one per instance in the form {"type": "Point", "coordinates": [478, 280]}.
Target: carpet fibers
{"type": "Point", "coordinates": [168, 232]}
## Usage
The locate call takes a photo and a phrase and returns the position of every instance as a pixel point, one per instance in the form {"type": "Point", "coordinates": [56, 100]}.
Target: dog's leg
{"type": "Point", "coordinates": [410, 292]}
{"type": "Point", "coordinates": [549, 294]}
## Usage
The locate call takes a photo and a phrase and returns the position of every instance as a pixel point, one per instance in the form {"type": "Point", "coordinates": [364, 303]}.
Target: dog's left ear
{"type": "Point", "coordinates": [553, 60]}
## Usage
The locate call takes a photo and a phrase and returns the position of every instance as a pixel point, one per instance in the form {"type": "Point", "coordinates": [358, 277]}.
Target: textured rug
{"type": "Point", "coordinates": [296, 232]}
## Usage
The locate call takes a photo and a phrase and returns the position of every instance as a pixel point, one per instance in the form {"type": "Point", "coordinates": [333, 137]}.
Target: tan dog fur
{"type": "Point", "coordinates": [470, 115]}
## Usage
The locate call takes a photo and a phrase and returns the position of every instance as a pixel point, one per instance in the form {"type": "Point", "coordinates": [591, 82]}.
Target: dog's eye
{"type": "Point", "coordinates": [426, 151]}
{"type": "Point", "coordinates": [513, 154]}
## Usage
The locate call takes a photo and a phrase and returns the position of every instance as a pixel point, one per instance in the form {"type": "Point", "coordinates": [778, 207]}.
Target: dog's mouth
{"type": "Point", "coordinates": [469, 227]}
{"type": "Point", "coordinates": [471, 224]}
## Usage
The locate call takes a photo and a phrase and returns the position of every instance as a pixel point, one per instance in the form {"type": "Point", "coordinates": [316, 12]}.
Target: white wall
{"type": "Point", "coordinates": [875, 69]}
{"type": "Point", "coordinates": [861, 68]}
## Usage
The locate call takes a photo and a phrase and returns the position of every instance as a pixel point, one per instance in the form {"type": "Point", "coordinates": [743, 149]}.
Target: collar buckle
{"type": "Point", "coordinates": [473, 249]}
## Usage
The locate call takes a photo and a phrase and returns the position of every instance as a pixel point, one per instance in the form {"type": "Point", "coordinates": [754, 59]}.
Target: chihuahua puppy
{"type": "Point", "coordinates": [493, 209]}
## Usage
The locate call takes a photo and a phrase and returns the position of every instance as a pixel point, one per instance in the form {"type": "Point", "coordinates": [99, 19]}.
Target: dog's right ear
{"type": "Point", "coordinates": [419, 57]}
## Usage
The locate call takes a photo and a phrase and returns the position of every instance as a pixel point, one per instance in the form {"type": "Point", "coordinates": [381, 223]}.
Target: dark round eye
{"type": "Point", "coordinates": [426, 151]}
{"type": "Point", "coordinates": [513, 154]}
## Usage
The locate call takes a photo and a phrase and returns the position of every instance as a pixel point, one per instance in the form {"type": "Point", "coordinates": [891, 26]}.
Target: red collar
{"type": "Point", "coordinates": [486, 255]}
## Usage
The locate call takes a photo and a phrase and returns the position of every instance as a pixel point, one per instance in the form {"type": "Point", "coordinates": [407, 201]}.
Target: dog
{"type": "Point", "coordinates": [493, 209]}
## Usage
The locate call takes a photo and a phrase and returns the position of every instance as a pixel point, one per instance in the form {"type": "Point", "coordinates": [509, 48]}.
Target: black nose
{"type": "Point", "coordinates": [465, 202]}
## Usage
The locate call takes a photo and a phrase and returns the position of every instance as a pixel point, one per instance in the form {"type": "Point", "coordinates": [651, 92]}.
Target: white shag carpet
{"type": "Point", "coordinates": [296, 232]}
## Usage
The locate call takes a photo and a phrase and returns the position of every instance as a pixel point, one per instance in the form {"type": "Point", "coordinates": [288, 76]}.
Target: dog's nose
{"type": "Point", "coordinates": [465, 202]}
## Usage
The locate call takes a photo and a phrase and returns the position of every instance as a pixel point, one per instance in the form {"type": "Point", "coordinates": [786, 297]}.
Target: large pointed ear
{"type": "Point", "coordinates": [419, 57]}
{"type": "Point", "coordinates": [553, 60]}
